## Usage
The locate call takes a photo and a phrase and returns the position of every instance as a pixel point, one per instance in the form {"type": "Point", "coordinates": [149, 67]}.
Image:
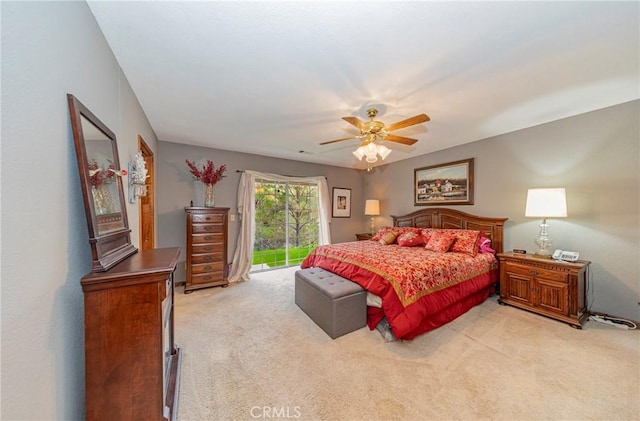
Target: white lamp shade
{"type": "Point", "coordinates": [546, 203]}
{"type": "Point", "coordinates": [383, 151]}
{"type": "Point", "coordinates": [359, 153]}
{"type": "Point", "coordinates": [372, 207]}
{"type": "Point", "coordinates": [371, 150]}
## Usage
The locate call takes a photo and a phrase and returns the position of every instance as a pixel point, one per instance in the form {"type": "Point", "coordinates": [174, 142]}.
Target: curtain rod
{"type": "Point", "coordinates": [288, 175]}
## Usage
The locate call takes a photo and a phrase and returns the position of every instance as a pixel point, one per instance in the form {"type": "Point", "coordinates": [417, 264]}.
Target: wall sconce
{"type": "Point", "coordinates": [137, 177]}
{"type": "Point", "coordinates": [545, 203]}
{"type": "Point", "coordinates": [372, 208]}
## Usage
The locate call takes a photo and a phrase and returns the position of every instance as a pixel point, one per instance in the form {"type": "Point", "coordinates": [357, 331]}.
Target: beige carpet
{"type": "Point", "coordinates": [250, 353]}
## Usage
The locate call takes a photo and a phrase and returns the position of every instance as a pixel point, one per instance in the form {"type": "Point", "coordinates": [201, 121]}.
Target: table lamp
{"type": "Point", "coordinates": [545, 203]}
{"type": "Point", "coordinates": [372, 208]}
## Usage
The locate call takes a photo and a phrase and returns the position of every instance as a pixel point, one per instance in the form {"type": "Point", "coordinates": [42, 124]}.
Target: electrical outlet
{"type": "Point", "coordinates": [232, 217]}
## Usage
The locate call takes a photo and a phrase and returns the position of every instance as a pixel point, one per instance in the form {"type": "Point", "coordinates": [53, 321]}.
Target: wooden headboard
{"type": "Point", "coordinates": [492, 228]}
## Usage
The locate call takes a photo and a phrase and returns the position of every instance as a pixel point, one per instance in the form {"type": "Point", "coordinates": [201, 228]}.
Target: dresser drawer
{"type": "Point", "coordinates": [167, 287]}
{"type": "Point", "coordinates": [525, 270]}
{"type": "Point", "coordinates": [206, 228]}
{"type": "Point", "coordinates": [207, 238]}
{"type": "Point", "coordinates": [207, 267]}
{"type": "Point", "coordinates": [206, 258]}
{"type": "Point", "coordinates": [166, 304]}
{"type": "Point", "coordinates": [211, 218]}
{"type": "Point", "coordinates": [206, 278]}
{"type": "Point", "coordinates": [207, 248]}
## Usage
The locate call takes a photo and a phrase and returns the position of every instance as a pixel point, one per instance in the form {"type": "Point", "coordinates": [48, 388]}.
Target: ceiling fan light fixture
{"type": "Point", "coordinates": [383, 151]}
{"type": "Point", "coordinates": [371, 151]}
{"type": "Point", "coordinates": [373, 130]}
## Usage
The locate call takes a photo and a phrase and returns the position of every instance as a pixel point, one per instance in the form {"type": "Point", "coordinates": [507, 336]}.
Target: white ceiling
{"type": "Point", "coordinates": [275, 78]}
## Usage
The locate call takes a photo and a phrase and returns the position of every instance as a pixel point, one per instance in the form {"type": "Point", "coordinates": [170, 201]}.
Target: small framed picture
{"type": "Point", "coordinates": [341, 203]}
{"type": "Point", "coordinates": [444, 184]}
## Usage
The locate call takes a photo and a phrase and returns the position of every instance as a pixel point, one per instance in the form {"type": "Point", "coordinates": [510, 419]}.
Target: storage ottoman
{"type": "Point", "coordinates": [334, 303]}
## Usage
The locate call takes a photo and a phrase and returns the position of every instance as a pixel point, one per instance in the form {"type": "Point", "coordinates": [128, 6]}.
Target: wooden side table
{"type": "Point", "coordinates": [364, 236]}
{"type": "Point", "coordinates": [544, 286]}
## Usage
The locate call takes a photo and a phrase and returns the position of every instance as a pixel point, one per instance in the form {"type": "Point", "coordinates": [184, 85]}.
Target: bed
{"type": "Point", "coordinates": [413, 287]}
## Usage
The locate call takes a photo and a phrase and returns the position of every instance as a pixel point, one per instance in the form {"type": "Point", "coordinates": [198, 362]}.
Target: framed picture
{"type": "Point", "coordinates": [341, 203]}
{"type": "Point", "coordinates": [444, 184]}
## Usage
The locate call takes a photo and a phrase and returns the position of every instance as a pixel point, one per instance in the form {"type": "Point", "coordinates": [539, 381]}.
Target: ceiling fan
{"type": "Point", "coordinates": [373, 129]}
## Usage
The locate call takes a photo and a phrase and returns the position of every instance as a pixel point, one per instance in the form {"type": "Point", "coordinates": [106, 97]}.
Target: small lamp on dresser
{"type": "Point", "coordinates": [545, 203]}
{"type": "Point", "coordinates": [372, 208]}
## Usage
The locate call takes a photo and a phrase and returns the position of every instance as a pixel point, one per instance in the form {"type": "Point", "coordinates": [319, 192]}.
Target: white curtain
{"type": "Point", "coordinates": [243, 256]}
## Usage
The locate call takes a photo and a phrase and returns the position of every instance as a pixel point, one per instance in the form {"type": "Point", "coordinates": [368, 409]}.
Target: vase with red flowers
{"type": "Point", "coordinates": [209, 175]}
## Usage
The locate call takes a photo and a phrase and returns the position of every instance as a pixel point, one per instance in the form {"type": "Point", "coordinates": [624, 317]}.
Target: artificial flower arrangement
{"type": "Point", "coordinates": [138, 169]}
{"type": "Point", "coordinates": [98, 176]}
{"type": "Point", "coordinates": [209, 174]}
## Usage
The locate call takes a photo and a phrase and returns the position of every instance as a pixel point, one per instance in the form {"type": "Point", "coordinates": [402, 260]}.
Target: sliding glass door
{"type": "Point", "coordinates": [286, 223]}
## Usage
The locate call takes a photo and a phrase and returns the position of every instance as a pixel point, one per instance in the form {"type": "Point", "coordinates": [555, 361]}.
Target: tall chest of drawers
{"type": "Point", "coordinates": [206, 247]}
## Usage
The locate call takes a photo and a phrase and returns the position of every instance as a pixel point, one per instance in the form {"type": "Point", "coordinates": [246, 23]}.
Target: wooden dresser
{"type": "Point", "coordinates": [544, 286]}
{"type": "Point", "coordinates": [132, 365]}
{"type": "Point", "coordinates": [206, 251]}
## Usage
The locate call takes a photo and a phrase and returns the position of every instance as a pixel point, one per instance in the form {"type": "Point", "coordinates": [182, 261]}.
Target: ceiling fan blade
{"type": "Point", "coordinates": [356, 122]}
{"type": "Point", "coordinates": [400, 139]}
{"type": "Point", "coordinates": [339, 140]}
{"type": "Point", "coordinates": [420, 118]}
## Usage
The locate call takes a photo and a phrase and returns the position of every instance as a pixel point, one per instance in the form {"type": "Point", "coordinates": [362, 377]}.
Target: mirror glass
{"type": "Point", "coordinates": [101, 183]}
{"type": "Point", "coordinates": [103, 177]}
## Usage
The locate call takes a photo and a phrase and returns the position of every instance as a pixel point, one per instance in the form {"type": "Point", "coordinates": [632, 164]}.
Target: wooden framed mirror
{"type": "Point", "coordinates": [102, 190]}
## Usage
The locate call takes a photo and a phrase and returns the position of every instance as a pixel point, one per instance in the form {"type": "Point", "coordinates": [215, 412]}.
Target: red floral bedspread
{"type": "Point", "coordinates": [414, 283]}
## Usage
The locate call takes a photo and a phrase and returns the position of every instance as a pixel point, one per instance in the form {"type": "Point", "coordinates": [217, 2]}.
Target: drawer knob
{"type": "Point", "coordinates": [207, 258]}
{"type": "Point", "coordinates": [207, 248]}
{"type": "Point", "coordinates": [207, 278]}
{"type": "Point", "coordinates": [208, 237]}
{"type": "Point", "coordinates": [207, 267]}
{"type": "Point", "coordinates": [208, 228]}
{"type": "Point", "coordinates": [534, 272]}
{"type": "Point", "coordinates": [208, 218]}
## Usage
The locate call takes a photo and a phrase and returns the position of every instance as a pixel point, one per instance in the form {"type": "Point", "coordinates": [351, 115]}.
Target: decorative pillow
{"type": "Point", "coordinates": [381, 232]}
{"type": "Point", "coordinates": [466, 242]}
{"type": "Point", "coordinates": [426, 234]}
{"type": "Point", "coordinates": [388, 238]}
{"type": "Point", "coordinates": [397, 230]}
{"type": "Point", "coordinates": [410, 239]}
{"type": "Point", "coordinates": [402, 230]}
{"type": "Point", "coordinates": [484, 246]}
{"type": "Point", "coordinates": [440, 241]}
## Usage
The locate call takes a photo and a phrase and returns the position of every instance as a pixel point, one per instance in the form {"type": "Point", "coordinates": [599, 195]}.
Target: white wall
{"type": "Point", "coordinates": [50, 49]}
{"type": "Point", "coordinates": [595, 156]}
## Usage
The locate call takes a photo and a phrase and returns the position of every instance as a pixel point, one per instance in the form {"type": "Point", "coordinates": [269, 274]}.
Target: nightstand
{"type": "Point", "coordinates": [544, 286]}
{"type": "Point", "coordinates": [364, 236]}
